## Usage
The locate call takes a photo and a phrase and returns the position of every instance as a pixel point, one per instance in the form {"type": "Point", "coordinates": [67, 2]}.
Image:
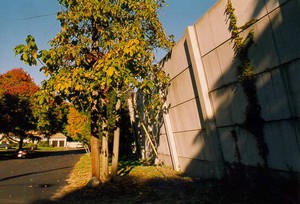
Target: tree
{"type": "Point", "coordinates": [16, 92]}
{"type": "Point", "coordinates": [78, 126]}
{"type": "Point", "coordinates": [17, 82]}
{"type": "Point", "coordinates": [103, 46]}
{"type": "Point", "coordinates": [51, 116]}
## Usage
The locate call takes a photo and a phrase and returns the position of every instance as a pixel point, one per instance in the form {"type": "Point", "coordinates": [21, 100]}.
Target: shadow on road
{"type": "Point", "coordinates": [50, 153]}
{"type": "Point", "coordinates": [26, 180]}
{"type": "Point", "coordinates": [35, 172]}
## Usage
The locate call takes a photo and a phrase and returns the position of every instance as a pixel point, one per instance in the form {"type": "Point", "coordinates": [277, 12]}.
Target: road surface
{"type": "Point", "coordinates": [35, 179]}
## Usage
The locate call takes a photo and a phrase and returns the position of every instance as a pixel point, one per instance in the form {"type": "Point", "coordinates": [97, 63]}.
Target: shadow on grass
{"type": "Point", "coordinates": [239, 188]}
{"type": "Point", "coordinates": [129, 189]}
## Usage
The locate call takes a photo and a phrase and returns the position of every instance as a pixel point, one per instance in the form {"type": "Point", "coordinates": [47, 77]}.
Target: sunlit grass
{"type": "Point", "coordinates": [6, 150]}
{"type": "Point", "coordinates": [51, 148]}
{"type": "Point", "coordinates": [149, 172]}
{"type": "Point", "coordinates": [79, 176]}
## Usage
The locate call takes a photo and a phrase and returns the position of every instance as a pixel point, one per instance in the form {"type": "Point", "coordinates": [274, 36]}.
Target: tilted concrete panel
{"type": "Point", "coordinates": [282, 138]}
{"type": "Point", "coordinates": [286, 29]}
{"type": "Point", "coordinates": [237, 103]}
{"type": "Point", "coordinates": [263, 53]}
{"type": "Point", "coordinates": [218, 23]}
{"type": "Point", "coordinates": [178, 59]}
{"type": "Point", "coordinates": [185, 116]}
{"type": "Point", "coordinates": [212, 70]}
{"type": "Point", "coordinates": [163, 147]}
{"type": "Point", "coordinates": [220, 102]}
{"type": "Point", "coordinates": [274, 4]}
{"type": "Point", "coordinates": [248, 10]}
{"type": "Point", "coordinates": [204, 33]}
{"type": "Point", "coordinates": [291, 74]}
{"type": "Point", "coordinates": [245, 146]}
{"type": "Point", "coordinates": [191, 144]}
{"type": "Point", "coordinates": [166, 159]}
{"type": "Point", "coordinates": [162, 129]}
{"type": "Point", "coordinates": [272, 96]}
{"type": "Point", "coordinates": [167, 64]}
{"type": "Point", "coordinates": [227, 144]}
{"type": "Point", "coordinates": [181, 89]}
{"type": "Point", "coordinates": [199, 168]}
{"type": "Point", "coordinates": [228, 62]}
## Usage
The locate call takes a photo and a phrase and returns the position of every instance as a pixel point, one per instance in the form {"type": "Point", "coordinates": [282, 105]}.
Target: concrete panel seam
{"type": "Point", "coordinates": [191, 130]}
{"type": "Point", "coordinates": [179, 73]}
{"type": "Point", "coordinates": [193, 158]}
{"type": "Point", "coordinates": [184, 102]}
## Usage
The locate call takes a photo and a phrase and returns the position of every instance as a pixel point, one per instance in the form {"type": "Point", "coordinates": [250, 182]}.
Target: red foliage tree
{"type": "Point", "coordinates": [17, 89]}
{"type": "Point", "coordinates": [17, 82]}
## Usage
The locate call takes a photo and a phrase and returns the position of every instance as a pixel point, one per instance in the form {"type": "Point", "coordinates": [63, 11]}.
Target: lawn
{"type": "Point", "coordinates": [51, 148]}
{"type": "Point", "coordinates": [140, 183]}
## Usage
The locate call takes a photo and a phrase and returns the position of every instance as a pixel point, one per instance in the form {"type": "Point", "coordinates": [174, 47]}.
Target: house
{"type": "Point", "coordinates": [58, 140]}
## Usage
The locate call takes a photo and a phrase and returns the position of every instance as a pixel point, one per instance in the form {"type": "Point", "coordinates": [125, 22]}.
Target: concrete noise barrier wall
{"type": "Point", "coordinates": [204, 126]}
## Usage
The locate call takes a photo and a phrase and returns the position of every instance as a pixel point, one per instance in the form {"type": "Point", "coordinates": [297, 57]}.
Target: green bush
{"type": "Point", "coordinates": [43, 144]}
{"type": "Point", "coordinates": [30, 146]}
{"type": "Point", "coordinates": [13, 145]}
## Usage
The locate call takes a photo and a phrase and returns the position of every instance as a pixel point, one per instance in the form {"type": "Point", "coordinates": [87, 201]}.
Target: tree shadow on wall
{"type": "Point", "coordinates": [275, 58]}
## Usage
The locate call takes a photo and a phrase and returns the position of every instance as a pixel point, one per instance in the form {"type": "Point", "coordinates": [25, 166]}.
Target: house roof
{"type": "Point", "coordinates": [58, 136]}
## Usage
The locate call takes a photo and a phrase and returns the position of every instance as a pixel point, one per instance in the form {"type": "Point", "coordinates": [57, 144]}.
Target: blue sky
{"type": "Point", "coordinates": [19, 18]}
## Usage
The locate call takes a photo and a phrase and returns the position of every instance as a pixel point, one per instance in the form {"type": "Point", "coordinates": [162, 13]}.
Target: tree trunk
{"type": "Point", "coordinates": [133, 125]}
{"type": "Point", "coordinates": [104, 152]}
{"type": "Point", "coordinates": [95, 149]}
{"type": "Point", "coordinates": [115, 154]}
{"type": "Point", "coordinates": [21, 142]}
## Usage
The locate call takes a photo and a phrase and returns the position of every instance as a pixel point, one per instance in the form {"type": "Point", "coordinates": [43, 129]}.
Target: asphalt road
{"type": "Point", "coordinates": [37, 178]}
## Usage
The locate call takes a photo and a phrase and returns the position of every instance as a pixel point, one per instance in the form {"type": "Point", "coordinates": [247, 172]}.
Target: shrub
{"type": "Point", "coordinates": [43, 144]}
